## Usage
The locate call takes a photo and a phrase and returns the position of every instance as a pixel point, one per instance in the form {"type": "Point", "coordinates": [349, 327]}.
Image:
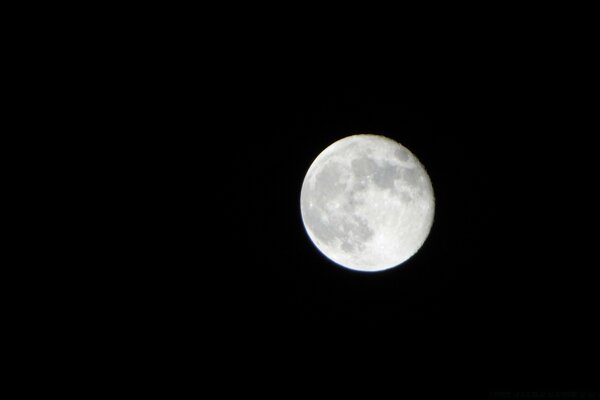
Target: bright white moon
{"type": "Point", "coordinates": [367, 203]}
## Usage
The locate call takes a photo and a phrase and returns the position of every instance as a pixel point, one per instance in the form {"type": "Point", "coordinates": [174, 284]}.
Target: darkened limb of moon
{"type": "Point", "coordinates": [367, 203]}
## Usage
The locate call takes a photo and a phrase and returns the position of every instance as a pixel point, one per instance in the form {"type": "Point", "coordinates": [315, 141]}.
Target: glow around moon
{"type": "Point", "coordinates": [367, 203]}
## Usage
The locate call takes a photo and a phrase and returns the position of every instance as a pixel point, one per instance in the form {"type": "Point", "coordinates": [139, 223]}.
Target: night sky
{"type": "Point", "coordinates": [501, 285]}
{"type": "Point", "coordinates": [205, 129]}
{"type": "Point", "coordinates": [502, 294]}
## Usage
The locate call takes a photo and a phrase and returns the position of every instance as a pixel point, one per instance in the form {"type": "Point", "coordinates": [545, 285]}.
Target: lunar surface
{"type": "Point", "coordinates": [367, 203]}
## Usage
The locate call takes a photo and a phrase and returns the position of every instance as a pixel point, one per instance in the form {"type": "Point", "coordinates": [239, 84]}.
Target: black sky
{"type": "Point", "coordinates": [501, 284]}
{"type": "Point", "coordinates": [501, 295]}
{"type": "Point", "coordinates": [205, 124]}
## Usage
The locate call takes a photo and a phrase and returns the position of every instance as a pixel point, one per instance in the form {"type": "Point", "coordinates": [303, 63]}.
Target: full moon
{"type": "Point", "coordinates": [367, 203]}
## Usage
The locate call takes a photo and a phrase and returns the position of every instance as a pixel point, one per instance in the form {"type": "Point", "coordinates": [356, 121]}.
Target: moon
{"type": "Point", "coordinates": [367, 203]}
